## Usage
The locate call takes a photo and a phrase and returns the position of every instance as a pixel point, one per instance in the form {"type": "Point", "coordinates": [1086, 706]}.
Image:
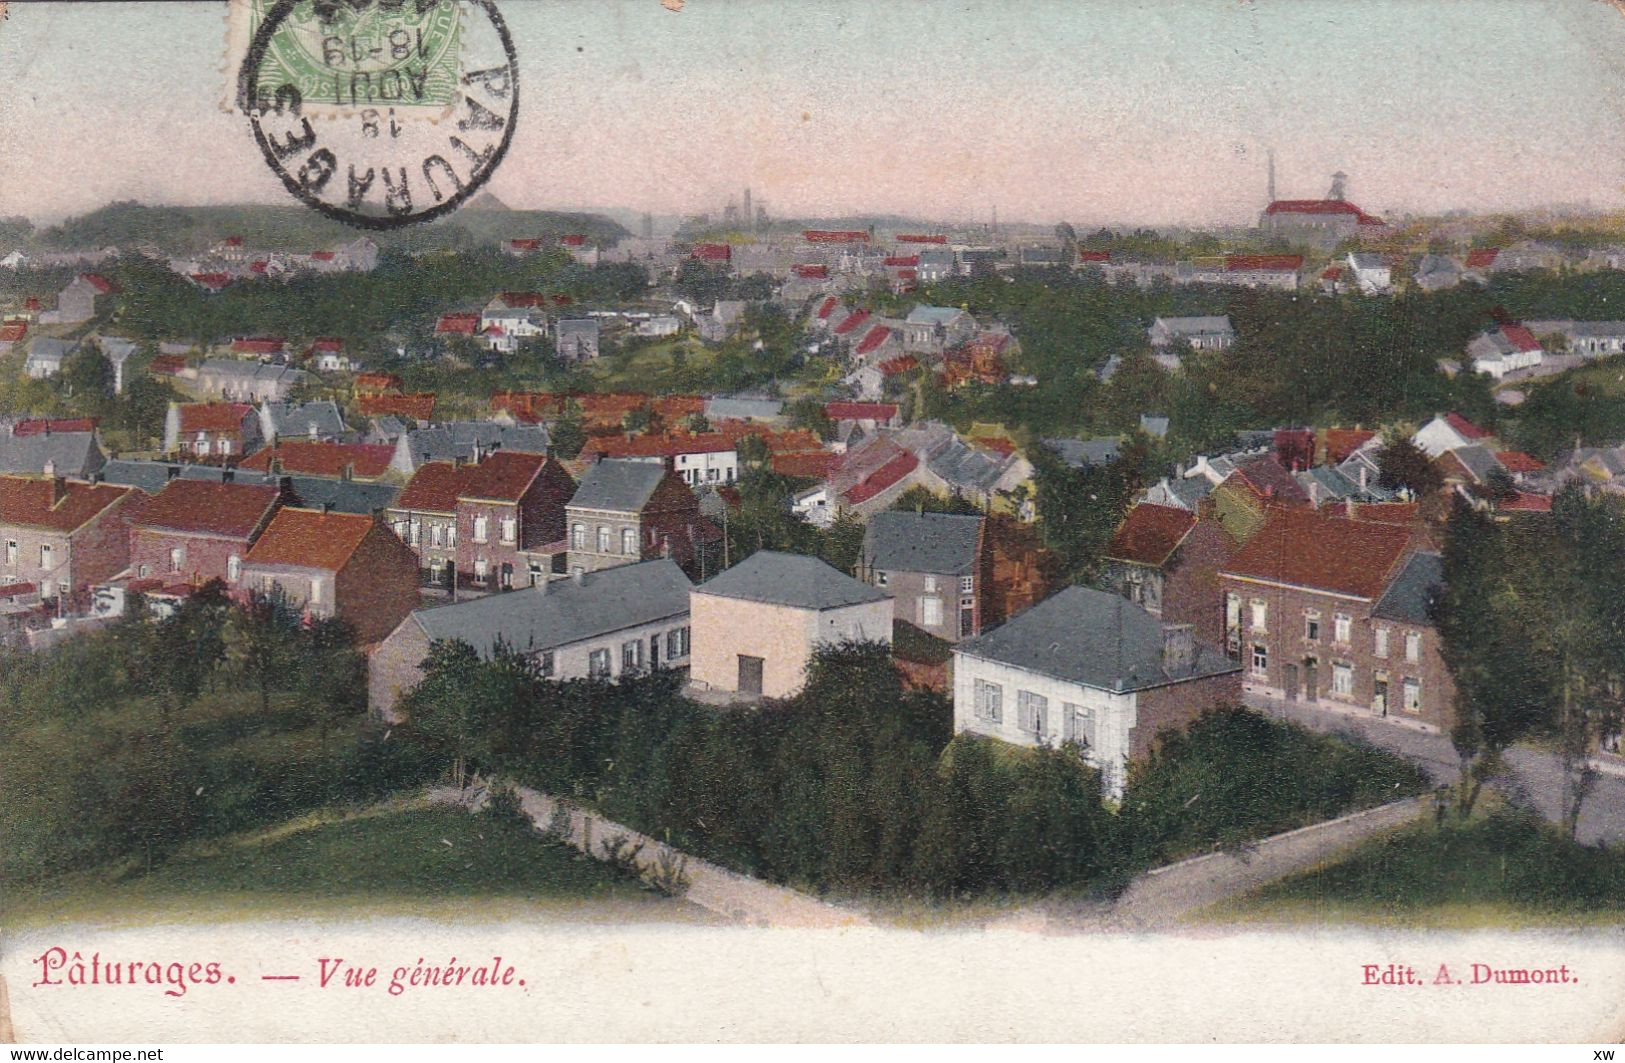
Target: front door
{"type": "Point", "coordinates": [750, 674]}
{"type": "Point", "coordinates": [967, 619]}
{"type": "Point", "coordinates": [1311, 692]}
{"type": "Point", "coordinates": [654, 652]}
{"type": "Point", "coordinates": [1290, 683]}
{"type": "Point", "coordinates": [1379, 697]}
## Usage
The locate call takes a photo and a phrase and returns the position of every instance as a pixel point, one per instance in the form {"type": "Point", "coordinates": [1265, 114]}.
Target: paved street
{"type": "Point", "coordinates": [1534, 776]}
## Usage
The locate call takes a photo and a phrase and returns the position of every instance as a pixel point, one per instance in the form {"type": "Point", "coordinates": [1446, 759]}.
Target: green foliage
{"type": "Point", "coordinates": [808, 413]}
{"type": "Point", "coordinates": [1234, 776]}
{"type": "Point", "coordinates": [1402, 464]}
{"type": "Point", "coordinates": [1079, 509]}
{"type": "Point", "coordinates": [921, 499]}
{"type": "Point", "coordinates": [1584, 406]}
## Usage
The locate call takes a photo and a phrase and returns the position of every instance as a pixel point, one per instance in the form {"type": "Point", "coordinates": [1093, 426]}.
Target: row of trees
{"type": "Point", "coordinates": [1533, 629]}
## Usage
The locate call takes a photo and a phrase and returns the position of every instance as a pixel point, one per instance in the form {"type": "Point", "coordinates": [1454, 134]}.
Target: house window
{"type": "Point", "coordinates": [1030, 712]}
{"type": "Point", "coordinates": [177, 558]}
{"type": "Point", "coordinates": [1342, 679]}
{"type": "Point", "coordinates": [603, 539]}
{"type": "Point", "coordinates": [1260, 614]}
{"type": "Point", "coordinates": [315, 590]}
{"type": "Point", "coordinates": [710, 474]}
{"type": "Point", "coordinates": [481, 566]}
{"type": "Point", "coordinates": [989, 701]}
{"type": "Point", "coordinates": [222, 446]}
{"type": "Point", "coordinates": [578, 536]}
{"type": "Point", "coordinates": [881, 578]}
{"type": "Point", "coordinates": [481, 531]}
{"type": "Point", "coordinates": [435, 535]}
{"type": "Point", "coordinates": [547, 664]}
{"type": "Point", "coordinates": [451, 535]}
{"type": "Point", "coordinates": [234, 568]}
{"type": "Point", "coordinates": [967, 584]}
{"type": "Point", "coordinates": [1311, 626]}
{"type": "Point", "coordinates": [47, 557]}
{"type": "Point", "coordinates": [930, 585]}
{"type": "Point", "coordinates": [144, 571]}
{"type": "Point", "coordinates": [1342, 629]}
{"type": "Point", "coordinates": [510, 530]}
{"type": "Point", "coordinates": [598, 664]}
{"type": "Point", "coordinates": [1261, 659]}
{"type": "Point", "coordinates": [1077, 725]}
{"type": "Point", "coordinates": [631, 655]}
{"type": "Point", "coordinates": [1413, 695]}
{"type": "Point", "coordinates": [417, 533]}
{"type": "Point", "coordinates": [931, 612]}
{"type": "Point", "coordinates": [677, 643]}
{"type": "Point", "coordinates": [11, 551]}
{"type": "Point", "coordinates": [1413, 646]}
{"type": "Point", "coordinates": [203, 447]}
{"type": "Point", "coordinates": [629, 541]}
{"type": "Point", "coordinates": [1380, 642]}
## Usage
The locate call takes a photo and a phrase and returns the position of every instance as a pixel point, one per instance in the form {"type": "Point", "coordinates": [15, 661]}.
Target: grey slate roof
{"type": "Point", "coordinates": [50, 350]}
{"type": "Point", "coordinates": [1206, 325]}
{"type": "Point", "coordinates": [939, 543]}
{"type": "Point", "coordinates": [116, 349]}
{"type": "Point", "coordinates": [564, 612]}
{"type": "Point", "coordinates": [1154, 425]}
{"type": "Point", "coordinates": [1091, 638]}
{"type": "Point", "coordinates": [618, 484]}
{"type": "Point", "coordinates": [1082, 453]}
{"type": "Point", "coordinates": [297, 419]}
{"type": "Point", "coordinates": [460, 439]}
{"type": "Point", "coordinates": [71, 453]}
{"type": "Point", "coordinates": [724, 409]}
{"type": "Point", "coordinates": [1479, 459]}
{"type": "Point", "coordinates": [790, 579]}
{"type": "Point", "coordinates": [962, 465]}
{"type": "Point", "coordinates": [1407, 597]}
{"type": "Point", "coordinates": [235, 370]}
{"type": "Point", "coordinates": [932, 315]}
{"type": "Point", "coordinates": [345, 496]}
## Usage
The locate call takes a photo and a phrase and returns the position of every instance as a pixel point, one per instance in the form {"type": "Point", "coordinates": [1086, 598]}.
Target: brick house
{"type": "Point", "coordinates": [1167, 561]}
{"type": "Point", "coordinates": [1332, 611]}
{"type": "Point", "coordinates": [509, 508]}
{"type": "Point", "coordinates": [344, 565]}
{"type": "Point", "coordinates": [424, 517]}
{"type": "Point", "coordinates": [194, 531]}
{"type": "Point", "coordinates": [63, 535]}
{"type": "Point", "coordinates": [1087, 667]}
{"type": "Point", "coordinates": [607, 624]}
{"type": "Point", "coordinates": [757, 625]}
{"type": "Point", "coordinates": [625, 511]}
{"type": "Point", "coordinates": [934, 565]}
{"type": "Point", "coordinates": [202, 430]}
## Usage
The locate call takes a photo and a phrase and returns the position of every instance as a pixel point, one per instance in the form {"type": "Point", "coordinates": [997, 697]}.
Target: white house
{"type": "Point", "coordinates": [46, 356]}
{"type": "Point", "coordinates": [1371, 273]}
{"type": "Point", "coordinates": [606, 624]}
{"type": "Point", "coordinates": [1089, 668]}
{"type": "Point", "coordinates": [1447, 432]}
{"type": "Point", "coordinates": [1212, 333]}
{"type": "Point", "coordinates": [1504, 349]}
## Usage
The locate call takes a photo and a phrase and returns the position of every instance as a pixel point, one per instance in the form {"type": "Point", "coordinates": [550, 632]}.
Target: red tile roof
{"type": "Point", "coordinates": [376, 382]}
{"type": "Point", "coordinates": [811, 272]}
{"type": "Point", "coordinates": [214, 416]}
{"type": "Point", "coordinates": [1331, 273]}
{"type": "Point", "coordinates": [711, 252]}
{"type": "Point", "coordinates": [364, 460]}
{"type": "Point", "coordinates": [204, 507]}
{"type": "Point", "coordinates": [322, 256]}
{"type": "Point", "coordinates": [1465, 428]}
{"type": "Point", "coordinates": [1094, 256]}
{"type": "Point", "coordinates": [851, 323]}
{"type": "Point", "coordinates": [457, 325]}
{"type": "Point", "coordinates": [1406, 513]}
{"type": "Point", "coordinates": [40, 426]}
{"type": "Point", "coordinates": [662, 444]}
{"type": "Point", "coordinates": [525, 243]}
{"type": "Point", "coordinates": [309, 538]}
{"type": "Point", "coordinates": [433, 488]}
{"type": "Point", "coordinates": [167, 364]}
{"type": "Point", "coordinates": [1520, 337]}
{"type": "Point", "coordinates": [530, 407]}
{"type": "Point", "coordinates": [1482, 257]}
{"type": "Point", "coordinates": [233, 241]}
{"type": "Point", "coordinates": [31, 303]}
{"type": "Point", "coordinates": [419, 406]}
{"type": "Point", "coordinates": [502, 477]}
{"type": "Point", "coordinates": [98, 282]}
{"type": "Point", "coordinates": [901, 364]}
{"type": "Point", "coordinates": [258, 345]}
{"type": "Point", "coordinates": [54, 505]}
{"type": "Point", "coordinates": [1321, 206]}
{"type": "Point", "coordinates": [1274, 263]}
{"type": "Point", "coordinates": [573, 240]}
{"type": "Point", "coordinates": [327, 344]}
{"type": "Point", "coordinates": [817, 465]}
{"type": "Point", "coordinates": [1149, 534]}
{"type": "Point", "coordinates": [1525, 502]}
{"type": "Point", "coordinates": [1303, 548]}
{"type": "Point", "coordinates": [12, 331]}
{"type": "Point", "coordinates": [13, 590]}
{"type": "Point", "coordinates": [1269, 479]}
{"type": "Point", "coordinates": [902, 260]}
{"type": "Point", "coordinates": [886, 476]}
{"type": "Point", "coordinates": [1518, 461]}
{"type": "Point", "coordinates": [860, 411]}
{"type": "Point", "coordinates": [259, 265]}
{"type": "Point", "coordinates": [212, 281]}
{"type": "Point", "coordinates": [1342, 442]}
{"type": "Point", "coordinates": [921, 238]}
{"type": "Point", "coordinates": [827, 306]}
{"type": "Point", "coordinates": [835, 236]}
{"type": "Point", "coordinates": [873, 339]}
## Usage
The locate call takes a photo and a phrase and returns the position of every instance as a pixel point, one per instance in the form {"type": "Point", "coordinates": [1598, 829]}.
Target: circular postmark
{"type": "Point", "coordinates": [381, 113]}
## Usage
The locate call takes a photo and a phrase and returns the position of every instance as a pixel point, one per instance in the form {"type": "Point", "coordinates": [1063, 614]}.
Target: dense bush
{"type": "Point", "coordinates": [1234, 776]}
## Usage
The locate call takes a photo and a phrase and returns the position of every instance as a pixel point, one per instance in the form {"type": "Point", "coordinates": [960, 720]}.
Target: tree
{"type": "Point", "coordinates": [259, 640]}
{"type": "Point", "coordinates": [642, 419]}
{"type": "Point", "coordinates": [332, 674]}
{"type": "Point", "coordinates": [188, 646]}
{"type": "Point", "coordinates": [808, 413]}
{"type": "Point", "coordinates": [1401, 464]}
{"type": "Point", "coordinates": [698, 422]}
{"type": "Point", "coordinates": [87, 376]}
{"type": "Point", "coordinates": [753, 451]}
{"type": "Point", "coordinates": [568, 436]}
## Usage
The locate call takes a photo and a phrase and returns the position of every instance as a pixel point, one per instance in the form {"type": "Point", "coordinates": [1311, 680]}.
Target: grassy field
{"type": "Point", "coordinates": [402, 858]}
{"type": "Point", "coordinates": [1498, 869]}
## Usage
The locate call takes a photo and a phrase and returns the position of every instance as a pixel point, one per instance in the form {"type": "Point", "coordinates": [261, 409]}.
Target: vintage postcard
{"type": "Point", "coordinates": [820, 521]}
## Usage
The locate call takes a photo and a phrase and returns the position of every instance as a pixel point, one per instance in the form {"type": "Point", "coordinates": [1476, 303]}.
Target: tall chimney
{"type": "Point", "coordinates": [1178, 648]}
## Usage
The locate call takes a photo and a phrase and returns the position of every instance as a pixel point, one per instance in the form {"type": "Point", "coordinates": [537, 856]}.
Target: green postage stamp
{"type": "Point", "coordinates": [403, 55]}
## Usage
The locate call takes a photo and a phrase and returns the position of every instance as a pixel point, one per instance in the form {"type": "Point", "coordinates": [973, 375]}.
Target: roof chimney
{"type": "Point", "coordinates": [171, 472]}
{"type": "Point", "coordinates": [50, 469]}
{"type": "Point", "coordinates": [1349, 506]}
{"type": "Point", "coordinates": [1363, 472]}
{"type": "Point", "coordinates": [327, 507]}
{"type": "Point", "coordinates": [1178, 648]}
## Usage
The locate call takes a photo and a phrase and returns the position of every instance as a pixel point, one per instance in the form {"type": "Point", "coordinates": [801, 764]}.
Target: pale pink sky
{"type": "Point", "coordinates": [1129, 111]}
